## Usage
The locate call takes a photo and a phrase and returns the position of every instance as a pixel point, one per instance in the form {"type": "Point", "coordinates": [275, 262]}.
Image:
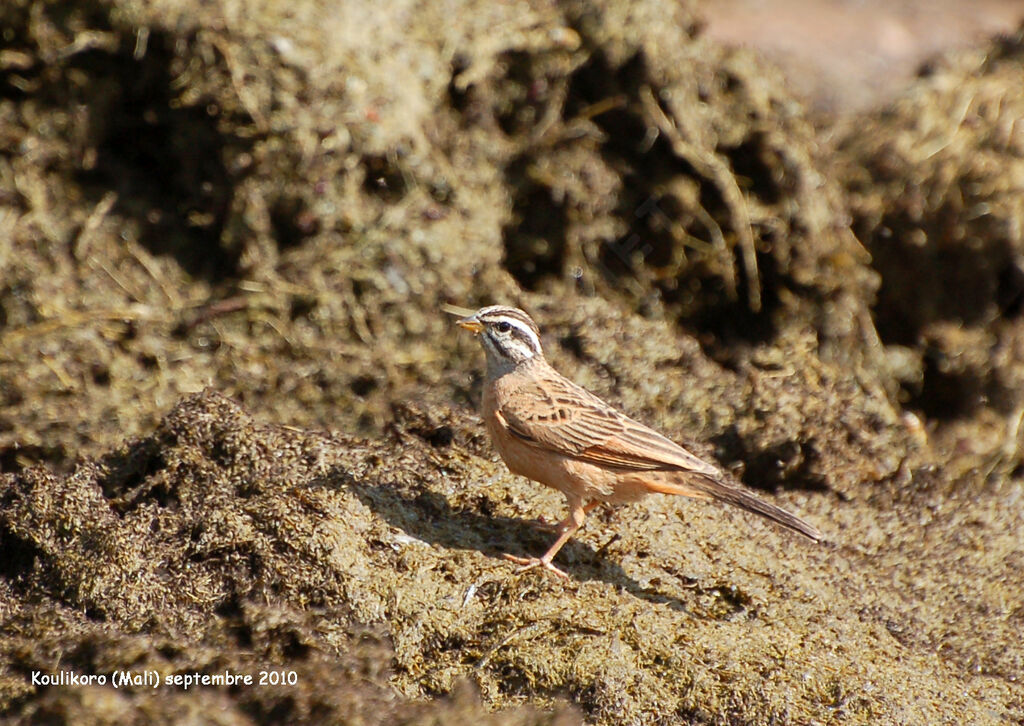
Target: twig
{"type": "Point", "coordinates": [457, 310]}
{"type": "Point", "coordinates": [150, 266]}
{"type": "Point", "coordinates": [486, 657]}
{"type": "Point", "coordinates": [92, 223]}
{"type": "Point", "coordinates": [244, 95]}
{"type": "Point", "coordinates": [215, 309]}
{"type": "Point", "coordinates": [715, 169]}
{"type": "Point", "coordinates": [62, 375]}
{"type": "Point", "coordinates": [74, 319]}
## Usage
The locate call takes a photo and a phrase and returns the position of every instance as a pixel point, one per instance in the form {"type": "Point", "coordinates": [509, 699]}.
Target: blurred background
{"type": "Point", "coordinates": [276, 202]}
{"type": "Point", "coordinates": [851, 55]}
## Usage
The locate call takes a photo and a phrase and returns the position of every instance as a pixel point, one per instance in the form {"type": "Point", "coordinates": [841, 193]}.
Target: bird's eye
{"type": "Point", "coordinates": [503, 326]}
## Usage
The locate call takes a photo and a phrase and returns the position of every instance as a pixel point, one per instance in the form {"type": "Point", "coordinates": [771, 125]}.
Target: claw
{"type": "Point", "coordinates": [528, 563]}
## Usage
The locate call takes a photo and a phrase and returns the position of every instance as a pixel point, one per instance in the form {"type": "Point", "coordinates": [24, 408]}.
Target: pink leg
{"type": "Point", "coordinates": [556, 527]}
{"type": "Point", "coordinates": [566, 529]}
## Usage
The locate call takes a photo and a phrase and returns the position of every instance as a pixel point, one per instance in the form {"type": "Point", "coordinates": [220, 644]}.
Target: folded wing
{"type": "Point", "coordinates": [559, 416]}
{"type": "Point", "coordinates": [562, 417]}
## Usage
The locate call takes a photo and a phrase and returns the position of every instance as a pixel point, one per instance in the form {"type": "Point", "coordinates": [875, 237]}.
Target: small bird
{"type": "Point", "coordinates": [547, 428]}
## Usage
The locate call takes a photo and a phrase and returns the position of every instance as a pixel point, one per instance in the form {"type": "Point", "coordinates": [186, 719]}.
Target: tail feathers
{"type": "Point", "coordinates": [737, 496]}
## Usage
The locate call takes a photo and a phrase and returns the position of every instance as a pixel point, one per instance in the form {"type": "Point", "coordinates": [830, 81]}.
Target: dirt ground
{"type": "Point", "coordinates": [238, 433]}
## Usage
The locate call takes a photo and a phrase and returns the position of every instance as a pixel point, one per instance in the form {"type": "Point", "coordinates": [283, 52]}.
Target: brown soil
{"type": "Point", "coordinates": [237, 431]}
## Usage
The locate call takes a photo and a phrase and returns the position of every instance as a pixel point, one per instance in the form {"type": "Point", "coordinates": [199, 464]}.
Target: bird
{"type": "Point", "coordinates": [555, 432]}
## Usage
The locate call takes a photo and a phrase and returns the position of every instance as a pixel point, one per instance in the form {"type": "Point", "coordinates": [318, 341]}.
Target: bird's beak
{"type": "Point", "coordinates": [471, 323]}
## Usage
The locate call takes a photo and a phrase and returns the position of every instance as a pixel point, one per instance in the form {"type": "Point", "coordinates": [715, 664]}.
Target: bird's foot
{"type": "Point", "coordinates": [528, 563]}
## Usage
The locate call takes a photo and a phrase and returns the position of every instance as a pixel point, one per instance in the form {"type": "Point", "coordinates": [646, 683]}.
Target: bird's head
{"type": "Point", "coordinates": [509, 336]}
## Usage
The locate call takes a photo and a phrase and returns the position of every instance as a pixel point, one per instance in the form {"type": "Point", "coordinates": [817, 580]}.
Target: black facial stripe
{"type": "Point", "coordinates": [528, 338]}
{"type": "Point", "coordinates": [523, 337]}
{"type": "Point", "coordinates": [491, 343]}
{"type": "Point", "coordinates": [514, 344]}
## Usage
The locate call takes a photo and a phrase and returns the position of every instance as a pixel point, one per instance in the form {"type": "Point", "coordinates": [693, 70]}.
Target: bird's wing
{"type": "Point", "coordinates": [555, 414]}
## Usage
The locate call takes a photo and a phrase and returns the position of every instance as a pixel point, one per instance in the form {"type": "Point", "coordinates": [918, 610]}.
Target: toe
{"type": "Point", "coordinates": [551, 568]}
{"type": "Point", "coordinates": [528, 563]}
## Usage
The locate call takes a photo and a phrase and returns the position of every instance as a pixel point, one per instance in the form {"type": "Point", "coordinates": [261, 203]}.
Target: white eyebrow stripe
{"type": "Point", "coordinates": [523, 327]}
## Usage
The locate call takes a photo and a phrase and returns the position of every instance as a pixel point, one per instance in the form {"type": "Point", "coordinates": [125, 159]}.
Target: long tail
{"type": "Point", "coordinates": [724, 491]}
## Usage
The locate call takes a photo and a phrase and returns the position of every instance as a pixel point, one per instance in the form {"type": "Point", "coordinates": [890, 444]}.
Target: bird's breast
{"type": "Point", "coordinates": [574, 478]}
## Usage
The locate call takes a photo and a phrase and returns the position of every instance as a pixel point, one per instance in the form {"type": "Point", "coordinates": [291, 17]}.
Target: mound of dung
{"type": "Point", "coordinates": [681, 177]}
{"type": "Point", "coordinates": [936, 186]}
{"type": "Point", "coordinates": [214, 546]}
{"type": "Point", "coordinates": [370, 569]}
{"type": "Point", "coordinates": [277, 203]}
{"type": "Point", "coordinates": [254, 200]}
